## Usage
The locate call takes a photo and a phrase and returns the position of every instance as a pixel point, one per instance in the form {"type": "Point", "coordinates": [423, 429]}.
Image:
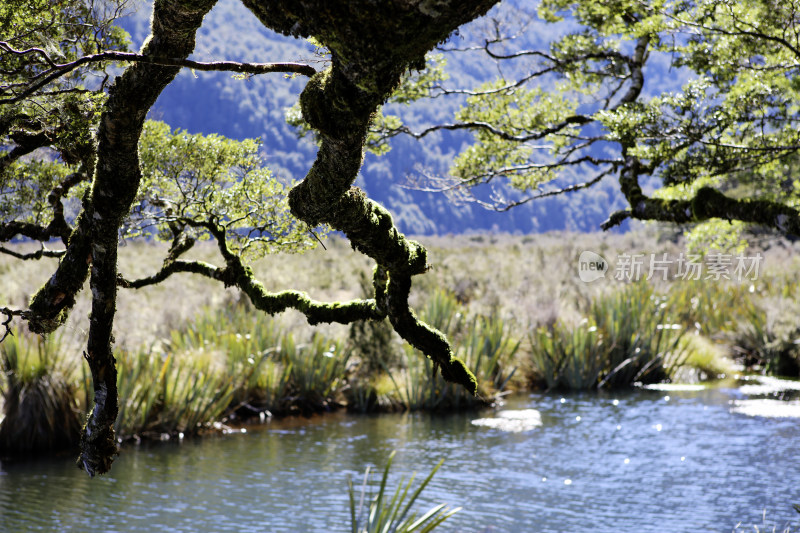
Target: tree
{"type": "Point", "coordinates": [75, 139]}
{"type": "Point", "coordinates": [46, 66]}
{"type": "Point", "coordinates": [587, 105]}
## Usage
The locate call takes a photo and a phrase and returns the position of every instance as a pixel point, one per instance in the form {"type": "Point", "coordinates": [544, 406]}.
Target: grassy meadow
{"type": "Point", "coordinates": [193, 355]}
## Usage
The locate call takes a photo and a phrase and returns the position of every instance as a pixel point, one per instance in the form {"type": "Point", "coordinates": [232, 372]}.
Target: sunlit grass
{"type": "Point", "coordinates": [486, 345]}
{"type": "Point", "coordinates": [317, 371]}
{"type": "Point", "coordinates": [626, 338]}
{"type": "Point", "coordinates": [38, 385]}
{"type": "Point", "coordinates": [205, 357]}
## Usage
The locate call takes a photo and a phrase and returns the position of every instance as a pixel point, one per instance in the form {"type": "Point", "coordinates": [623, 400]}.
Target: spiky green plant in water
{"type": "Point", "coordinates": [395, 514]}
{"type": "Point", "coordinates": [166, 394]}
{"type": "Point", "coordinates": [709, 307]}
{"type": "Point", "coordinates": [643, 344]}
{"type": "Point", "coordinates": [761, 343]}
{"type": "Point", "coordinates": [40, 410]}
{"type": "Point", "coordinates": [569, 358]}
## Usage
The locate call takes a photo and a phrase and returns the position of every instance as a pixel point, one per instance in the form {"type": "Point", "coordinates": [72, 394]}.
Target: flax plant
{"type": "Point", "coordinates": [626, 338]}
{"type": "Point", "coordinates": [317, 371]}
{"type": "Point", "coordinates": [163, 393]}
{"type": "Point", "coordinates": [38, 385]}
{"type": "Point", "coordinates": [395, 514]}
{"type": "Point", "coordinates": [486, 346]}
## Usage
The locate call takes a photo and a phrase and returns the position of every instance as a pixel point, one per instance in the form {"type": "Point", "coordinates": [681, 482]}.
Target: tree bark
{"type": "Point", "coordinates": [116, 181]}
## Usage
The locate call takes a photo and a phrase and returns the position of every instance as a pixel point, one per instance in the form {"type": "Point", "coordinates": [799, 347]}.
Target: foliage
{"type": "Point", "coordinates": [185, 187]}
{"type": "Point", "coordinates": [249, 345]}
{"type": "Point", "coordinates": [191, 181]}
{"type": "Point", "coordinates": [761, 343]}
{"type": "Point", "coordinates": [317, 371]}
{"type": "Point", "coordinates": [60, 114]}
{"type": "Point", "coordinates": [269, 370]}
{"type": "Point", "coordinates": [386, 515]}
{"type": "Point", "coordinates": [720, 145]}
{"type": "Point", "coordinates": [373, 344]}
{"type": "Point", "coordinates": [625, 339]}
{"type": "Point", "coordinates": [40, 411]}
{"type": "Point", "coordinates": [705, 359]}
{"type": "Point", "coordinates": [167, 394]}
{"type": "Point", "coordinates": [232, 363]}
{"type": "Point", "coordinates": [710, 308]}
{"type": "Point", "coordinates": [486, 345]}
{"type": "Point", "coordinates": [591, 101]}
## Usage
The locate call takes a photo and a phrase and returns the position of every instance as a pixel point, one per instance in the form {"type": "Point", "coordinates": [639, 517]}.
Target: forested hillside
{"type": "Point", "coordinates": [205, 102]}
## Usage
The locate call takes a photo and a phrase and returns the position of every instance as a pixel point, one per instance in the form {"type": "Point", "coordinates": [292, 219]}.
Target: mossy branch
{"type": "Point", "coordinates": [339, 104]}
{"type": "Point", "coordinates": [706, 204]}
{"type": "Point", "coordinates": [114, 187]}
{"type": "Point", "coordinates": [242, 277]}
{"type": "Point", "coordinates": [236, 274]}
{"type": "Point", "coordinates": [56, 71]}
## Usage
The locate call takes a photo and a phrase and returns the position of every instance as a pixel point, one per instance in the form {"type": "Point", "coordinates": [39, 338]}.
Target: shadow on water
{"type": "Point", "coordinates": [645, 460]}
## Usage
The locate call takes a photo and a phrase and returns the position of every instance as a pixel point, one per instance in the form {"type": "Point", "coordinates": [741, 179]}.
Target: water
{"type": "Point", "coordinates": [640, 461]}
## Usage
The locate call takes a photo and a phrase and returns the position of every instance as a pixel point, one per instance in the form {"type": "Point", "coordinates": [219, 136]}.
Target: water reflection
{"type": "Point", "coordinates": [639, 461]}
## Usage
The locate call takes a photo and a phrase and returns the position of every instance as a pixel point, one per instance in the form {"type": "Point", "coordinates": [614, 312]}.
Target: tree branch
{"type": "Point", "coordinates": [38, 254]}
{"type": "Point", "coordinates": [575, 119]}
{"type": "Point", "coordinates": [58, 70]}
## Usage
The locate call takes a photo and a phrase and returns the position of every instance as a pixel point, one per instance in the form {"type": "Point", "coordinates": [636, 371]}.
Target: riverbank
{"type": "Point", "coordinates": [193, 356]}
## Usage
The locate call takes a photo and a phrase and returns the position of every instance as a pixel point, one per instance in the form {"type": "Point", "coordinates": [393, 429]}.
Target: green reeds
{"type": "Point", "coordinates": [626, 338]}
{"type": "Point", "coordinates": [164, 394]}
{"type": "Point", "coordinates": [317, 371]}
{"type": "Point", "coordinates": [760, 343]}
{"type": "Point", "coordinates": [569, 358]}
{"type": "Point", "coordinates": [395, 514]}
{"type": "Point", "coordinates": [226, 364]}
{"type": "Point", "coordinates": [710, 307]}
{"type": "Point", "coordinates": [270, 370]}
{"type": "Point", "coordinates": [40, 411]}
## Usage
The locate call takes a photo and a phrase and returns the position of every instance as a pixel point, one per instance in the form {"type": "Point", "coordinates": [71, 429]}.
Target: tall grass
{"type": "Point", "coordinates": [711, 308]}
{"type": "Point", "coordinates": [626, 338]}
{"type": "Point", "coordinates": [761, 343]}
{"type": "Point", "coordinates": [161, 393]}
{"type": "Point", "coordinates": [232, 364]}
{"type": "Point", "coordinates": [486, 345]}
{"type": "Point", "coordinates": [317, 371]}
{"type": "Point", "coordinates": [40, 408]}
{"type": "Point", "coordinates": [245, 344]}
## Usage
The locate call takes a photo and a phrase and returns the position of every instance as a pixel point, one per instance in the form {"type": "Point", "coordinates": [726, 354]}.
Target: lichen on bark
{"type": "Point", "coordinates": [95, 237]}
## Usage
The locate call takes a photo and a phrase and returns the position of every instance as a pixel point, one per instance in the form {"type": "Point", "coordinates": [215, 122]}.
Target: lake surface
{"type": "Point", "coordinates": [661, 461]}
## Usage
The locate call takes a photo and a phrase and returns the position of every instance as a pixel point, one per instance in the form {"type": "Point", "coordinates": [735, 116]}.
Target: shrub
{"type": "Point", "coordinates": [40, 409]}
{"type": "Point", "coordinates": [625, 339]}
